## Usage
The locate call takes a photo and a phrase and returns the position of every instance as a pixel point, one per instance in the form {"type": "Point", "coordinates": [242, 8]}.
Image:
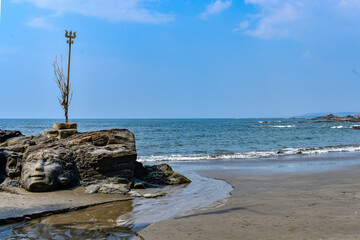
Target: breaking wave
{"type": "Point", "coordinates": [286, 126]}
{"type": "Point", "coordinates": [250, 155]}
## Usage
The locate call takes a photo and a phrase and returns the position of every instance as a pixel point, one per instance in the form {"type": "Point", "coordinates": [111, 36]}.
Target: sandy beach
{"type": "Point", "coordinates": [275, 205]}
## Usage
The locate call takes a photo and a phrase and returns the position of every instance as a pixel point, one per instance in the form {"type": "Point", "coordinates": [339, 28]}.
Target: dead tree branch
{"type": "Point", "coordinates": [65, 90]}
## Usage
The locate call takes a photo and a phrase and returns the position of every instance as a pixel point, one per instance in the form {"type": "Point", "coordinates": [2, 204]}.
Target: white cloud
{"type": "Point", "coordinates": [243, 25]}
{"type": "Point", "coordinates": [40, 23]}
{"type": "Point", "coordinates": [111, 10]}
{"type": "Point", "coordinates": [272, 25]}
{"type": "Point", "coordinates": [300, 18]}
{"type": "Point", "coordinates": [216, 7]}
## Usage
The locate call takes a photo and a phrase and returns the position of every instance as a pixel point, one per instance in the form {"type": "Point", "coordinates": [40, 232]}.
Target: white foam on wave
{"type": "Point", "coordinates": [249, 155]}
{"type": "Point", "coordinates": [282, 126]}
{"type": "Point", "coordinates": [337, 127]}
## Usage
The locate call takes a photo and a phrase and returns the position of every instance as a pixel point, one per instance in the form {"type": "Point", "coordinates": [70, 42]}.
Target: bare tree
{"type": "Point", "coordinates": [64, 87]}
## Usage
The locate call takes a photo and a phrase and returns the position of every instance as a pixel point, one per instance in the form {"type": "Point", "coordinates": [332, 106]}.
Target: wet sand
{"type": "Point", "coordinates": [275, 205]}
{"type": "Point", "coordinates": [18, 204]}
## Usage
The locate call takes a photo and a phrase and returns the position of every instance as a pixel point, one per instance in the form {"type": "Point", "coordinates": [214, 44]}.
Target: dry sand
{"type": "Point", "coordinates": [323, 205]}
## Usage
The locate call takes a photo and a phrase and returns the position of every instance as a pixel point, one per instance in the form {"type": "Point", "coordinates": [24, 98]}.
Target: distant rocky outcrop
{"type": "Point", "coordinates": [102, 161]}
{"type": "Point", "coordinates": [337, 118]}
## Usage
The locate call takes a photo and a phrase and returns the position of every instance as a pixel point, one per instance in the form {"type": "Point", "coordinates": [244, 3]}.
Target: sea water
{"type": "Point", "coordinates": [204, 139]}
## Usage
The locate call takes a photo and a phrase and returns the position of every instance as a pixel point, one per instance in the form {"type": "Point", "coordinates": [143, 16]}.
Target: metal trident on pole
{"type": "Point", "coordinates": [69, 41]}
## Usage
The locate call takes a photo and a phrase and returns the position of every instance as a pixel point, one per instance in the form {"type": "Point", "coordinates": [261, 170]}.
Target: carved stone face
{"type": "Point", "coordinates": [40, 171]}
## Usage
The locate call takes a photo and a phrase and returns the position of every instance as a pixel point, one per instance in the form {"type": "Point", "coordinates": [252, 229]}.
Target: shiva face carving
{"type": "Point", "coordinates": [40, 171]}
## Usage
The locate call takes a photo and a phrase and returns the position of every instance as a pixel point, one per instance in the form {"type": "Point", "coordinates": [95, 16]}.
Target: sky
{"type": "Point", "coordinates": [181, 58]}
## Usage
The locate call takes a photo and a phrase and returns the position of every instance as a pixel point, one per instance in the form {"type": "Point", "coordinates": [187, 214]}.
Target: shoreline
{"type": "Point", "coordinates": [317, 203]}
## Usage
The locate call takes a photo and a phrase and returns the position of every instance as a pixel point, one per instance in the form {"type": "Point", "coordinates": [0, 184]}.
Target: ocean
{"type": "Point", "coordinates": [207, 139]}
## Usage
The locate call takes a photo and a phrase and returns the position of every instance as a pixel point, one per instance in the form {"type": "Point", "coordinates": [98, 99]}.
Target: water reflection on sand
{"type": "Point", "coordinates": [122, 220]}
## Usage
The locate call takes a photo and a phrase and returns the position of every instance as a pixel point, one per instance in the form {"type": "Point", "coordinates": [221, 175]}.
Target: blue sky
{"type": "Point", "coordinates": [181, 59]}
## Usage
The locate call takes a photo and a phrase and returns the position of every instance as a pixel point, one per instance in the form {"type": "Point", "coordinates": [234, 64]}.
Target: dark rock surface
{"type": "Point", "coordinates": [102, 161]}
{"type": "Point", "coordinates": [7, 134]}
{"type": "Point", "coordinates": [161, 174]}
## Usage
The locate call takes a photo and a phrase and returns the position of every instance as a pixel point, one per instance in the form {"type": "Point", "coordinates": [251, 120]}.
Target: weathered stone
{"type": "Point", "coordinates": [3, 160]}
{"type": "Point", "coordinates": [164, 175]}
{"type": "Point", "coordinates": [7, 134]}
{"type": "Point", "coordinates": [60, 126]}
{"type": "Point", "coordinates": [65, 133]}
{"type": "Point", "coordinates": [110, 186]}
{"type": "Point", "coordinates": [154, 195]}
{"type": "Point", "coordinates": [97, 161]}
{"type": "Point", "coordinates": [13, 164]}
{"type": "Point", "coordinates": [134, 194]}
{"type": "Point", "coordinates": [51, 133]}
{"type": "Point", "coordinates": [91, 189]}
{"type": "Point", "coordinates": [139, 186]}
{"type": "Point", "coordinates": [103, 161]}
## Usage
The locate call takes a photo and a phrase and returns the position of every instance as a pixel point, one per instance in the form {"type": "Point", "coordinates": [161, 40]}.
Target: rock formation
{"type": "Point", "coordinates": [7, 134]}
{"type": "Point", "coordinates": [336, 118]}
{"type": "Point", "coordinates": [102, 161]}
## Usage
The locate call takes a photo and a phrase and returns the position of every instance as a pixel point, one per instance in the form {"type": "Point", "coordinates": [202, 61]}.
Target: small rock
{"type": "Point", "coordinates": [154, 195]}
{"type": "Point", "coordinates": [139, 186]}
{"type": "Point", "coordinates": [112, 188]}
{"type": "Point", "coordinates": [92, 189]}
{"type": "Point", "coordinates": [164, 175]}
{"type": "Point", "coordinates": [134, 194]}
